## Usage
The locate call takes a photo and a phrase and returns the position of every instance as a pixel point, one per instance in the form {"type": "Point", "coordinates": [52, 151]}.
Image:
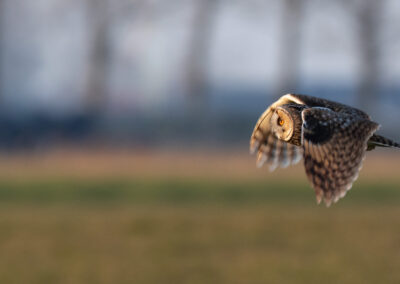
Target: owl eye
{"type": "Point", "coordinates": [280, 121]}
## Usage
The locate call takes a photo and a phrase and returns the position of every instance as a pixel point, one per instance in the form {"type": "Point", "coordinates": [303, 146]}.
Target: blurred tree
{"type": "Point", "coordinates": [290, 46]}
{"type": "Point", "coordinates": [99, 63]}
{"type": "Point", "coordinates": [200, 40]}
{"type": "Point", "coordinates": [103, 16]}
{"type": "Point", "coordinates": [368, 15]}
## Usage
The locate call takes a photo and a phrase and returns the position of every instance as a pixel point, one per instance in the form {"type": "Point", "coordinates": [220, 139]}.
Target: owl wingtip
{"type": "Point", "coordinates": [273, 167]}
{"type": "Point", "coordinates": [254, 145]}
{"type": "Point", "coordinates": [261, 158]}
{"type": "Point", "coordinates": [336, 199]}
{"type": "Point", "coordinates": [321, 196]}
{"type": "Point", "coordinates": [328, 203]}
{"type": "Point", "coordinates": [318, 197]}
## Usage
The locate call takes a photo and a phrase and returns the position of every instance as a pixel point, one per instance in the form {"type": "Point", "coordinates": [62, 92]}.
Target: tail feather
{"type": "Point", "coordinates": [380, 141]}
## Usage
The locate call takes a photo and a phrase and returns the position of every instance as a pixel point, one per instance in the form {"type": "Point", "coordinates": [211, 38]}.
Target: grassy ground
{"type": "Point", "coordinates": [193, 228]}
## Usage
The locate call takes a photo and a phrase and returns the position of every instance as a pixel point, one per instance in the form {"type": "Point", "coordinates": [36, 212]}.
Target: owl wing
{"type": "Point", "coordinates": [270, 149]}
{"type": "Point", "coordinates": [334, 146]}
{"type": "Point", "coordinates": [335, 106]}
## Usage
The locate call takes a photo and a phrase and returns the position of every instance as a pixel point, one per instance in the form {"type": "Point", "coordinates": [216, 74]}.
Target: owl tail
{"type": "Point", "coordinates": [380, 141]}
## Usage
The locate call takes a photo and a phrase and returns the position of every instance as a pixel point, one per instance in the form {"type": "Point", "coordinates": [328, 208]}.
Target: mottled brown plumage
{"type": "Point", "coordinates": [332, 138]}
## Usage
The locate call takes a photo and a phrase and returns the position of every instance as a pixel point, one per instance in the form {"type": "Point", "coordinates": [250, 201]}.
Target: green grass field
{"type": "Point", "coordinates": [183, 230]}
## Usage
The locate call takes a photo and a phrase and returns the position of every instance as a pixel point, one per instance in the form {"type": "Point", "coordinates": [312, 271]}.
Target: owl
{"type": "Point", "coordinates": [332, 139]}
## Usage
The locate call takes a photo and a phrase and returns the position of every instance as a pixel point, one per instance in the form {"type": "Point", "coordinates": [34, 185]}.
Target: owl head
{"type": "Point", "coordinates": [286, 123]}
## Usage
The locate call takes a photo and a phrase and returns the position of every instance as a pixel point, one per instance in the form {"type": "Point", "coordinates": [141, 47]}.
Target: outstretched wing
{"type": "Point", "coordinates": [335, 106]}
{"type": "Point", "coordinates": [334, 146]}
{"type": "Point", "coordinates": [270, 149]}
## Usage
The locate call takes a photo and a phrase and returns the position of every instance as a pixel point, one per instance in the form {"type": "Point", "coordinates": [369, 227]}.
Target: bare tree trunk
{"type": "Point", "coordinates": [290, 46]}
{"type": "Point", "coordinates": [369, 15]}
{"type": "Point", "coordinates": [99, 56]}
{"type": "Point", "coordinates": [198, 52]}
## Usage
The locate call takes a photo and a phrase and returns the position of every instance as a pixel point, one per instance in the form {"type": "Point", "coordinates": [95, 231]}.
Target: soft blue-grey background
{"type": "Point", "coordinates": [187, 71]}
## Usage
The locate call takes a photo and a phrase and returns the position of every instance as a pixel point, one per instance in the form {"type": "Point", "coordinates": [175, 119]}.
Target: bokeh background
{"type": "Point", "coordinates": [124, 128]}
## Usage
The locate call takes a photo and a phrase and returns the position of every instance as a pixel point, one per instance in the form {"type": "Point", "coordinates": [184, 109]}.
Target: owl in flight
{"type": "Point", "coordinates": [331, 137]}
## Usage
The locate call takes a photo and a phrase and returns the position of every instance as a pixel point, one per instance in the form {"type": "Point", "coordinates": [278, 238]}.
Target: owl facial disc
{"type": "Point", "coordinates": [287, 123]}
{"type": "Point", "coordinates": [282, 124]}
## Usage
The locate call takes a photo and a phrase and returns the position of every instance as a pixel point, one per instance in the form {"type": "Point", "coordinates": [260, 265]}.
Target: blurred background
{"type": "Point", "coordinates": [124, 129]}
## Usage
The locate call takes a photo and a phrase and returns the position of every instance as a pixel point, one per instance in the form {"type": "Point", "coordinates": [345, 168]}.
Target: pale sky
{"type": "Point", "coordinates": [46, 54]}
